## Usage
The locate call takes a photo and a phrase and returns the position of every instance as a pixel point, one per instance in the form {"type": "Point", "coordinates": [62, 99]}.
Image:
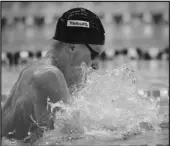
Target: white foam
{"type": "Point", "coordinates": [108, 105]}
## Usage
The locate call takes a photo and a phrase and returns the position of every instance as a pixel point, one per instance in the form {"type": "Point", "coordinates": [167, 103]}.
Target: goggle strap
{"type": "Point", "coordinates": [91, 50]}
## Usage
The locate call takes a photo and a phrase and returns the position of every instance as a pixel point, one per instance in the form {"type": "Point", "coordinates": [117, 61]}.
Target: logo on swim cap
{"type": "Point", "coordinates": [77, 23]}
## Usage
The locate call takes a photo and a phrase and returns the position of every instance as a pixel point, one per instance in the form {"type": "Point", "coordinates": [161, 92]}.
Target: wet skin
{"type": "Point", "coordinates": [29, 96]}
{"type": "Point", "coordinates": [49, 78]}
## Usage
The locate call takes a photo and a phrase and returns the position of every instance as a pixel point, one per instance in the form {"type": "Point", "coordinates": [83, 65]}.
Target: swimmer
{"type": "Point", "coordinates": [78, 38]}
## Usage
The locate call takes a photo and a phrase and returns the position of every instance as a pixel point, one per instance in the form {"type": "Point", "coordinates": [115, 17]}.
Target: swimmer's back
{"type": "Point", "coordinates": [37, 83]}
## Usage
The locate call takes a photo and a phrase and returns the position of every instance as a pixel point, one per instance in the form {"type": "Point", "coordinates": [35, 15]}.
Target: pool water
{"type": "Point", "coordinates": [122, 103]}
{"type": "Point", "coordinates": [125, 102]}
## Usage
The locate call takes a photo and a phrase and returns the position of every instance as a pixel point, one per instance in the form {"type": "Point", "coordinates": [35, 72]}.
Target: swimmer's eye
{"type": "Point", "coordinates": [94, 54]}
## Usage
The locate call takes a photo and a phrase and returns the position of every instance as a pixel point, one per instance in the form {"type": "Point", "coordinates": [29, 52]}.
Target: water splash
{"type": "Point", "coordinates": [104, 107]}
{"type": "Point", "coordinates": [107, 106]}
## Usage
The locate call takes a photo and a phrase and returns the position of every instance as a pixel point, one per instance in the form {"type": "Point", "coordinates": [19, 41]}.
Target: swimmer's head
{"type": "Point", "coordinates": [81, 26]}
{"type": "Point", "coordinates": [79, 38]}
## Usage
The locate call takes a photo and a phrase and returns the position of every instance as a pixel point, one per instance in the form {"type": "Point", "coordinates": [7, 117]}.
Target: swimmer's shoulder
{"type": "Point", "coordinates": [44, 65]}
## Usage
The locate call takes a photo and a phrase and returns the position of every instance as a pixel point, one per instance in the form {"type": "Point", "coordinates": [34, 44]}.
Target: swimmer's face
{"type": "Point", "coordinates": [85, 53]}
{"type": "Point", "coordinates": [76, 55]}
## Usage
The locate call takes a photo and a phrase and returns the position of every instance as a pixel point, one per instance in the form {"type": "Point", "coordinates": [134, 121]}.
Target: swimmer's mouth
{"type": "Point", "coordinates": [94, 54]}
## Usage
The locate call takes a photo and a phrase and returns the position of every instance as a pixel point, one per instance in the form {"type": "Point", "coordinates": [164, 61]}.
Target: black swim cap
{"type": "Point", "coordinates": [80, 26]}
